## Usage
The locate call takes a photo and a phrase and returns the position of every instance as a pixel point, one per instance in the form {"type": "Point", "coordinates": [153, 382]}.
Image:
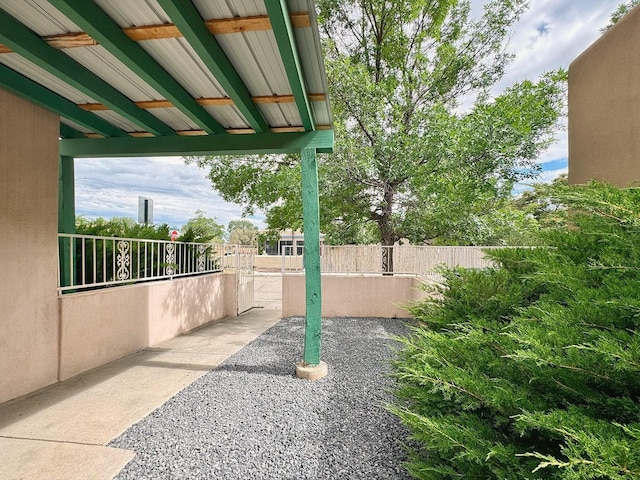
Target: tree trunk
{"type": "Point", "coordinates": [387, 234]}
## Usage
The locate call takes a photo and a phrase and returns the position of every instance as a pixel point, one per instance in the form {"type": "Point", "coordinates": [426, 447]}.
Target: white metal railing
{"type": "Point", "coordinates": [397, 259]}
{"type": "Point", "coordinates": [88, 261]}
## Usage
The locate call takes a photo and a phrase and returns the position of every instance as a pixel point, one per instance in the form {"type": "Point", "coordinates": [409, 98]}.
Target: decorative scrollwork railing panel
{"type": "Point", "coordinates": [88, 262]}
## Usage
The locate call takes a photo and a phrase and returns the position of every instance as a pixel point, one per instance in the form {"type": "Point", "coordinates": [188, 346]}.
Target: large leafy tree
{"type": "Point", "coordinates": [202, 229]}
{"type": "Point", "coordinates": [422, 149]}
{"type": "Point", "coordinates": [242, 232]}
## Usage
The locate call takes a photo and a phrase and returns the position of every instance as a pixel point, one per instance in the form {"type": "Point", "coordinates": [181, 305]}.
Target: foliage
{"type": "Point", "coordinates": [100, 257]}
{"type": "Point", "coordinates": [201, 229]}
{"type": "Point", "coordinates": [242, 232]}
{"type": "Point", "coordinates": [620, 12]}
{"type": "Point", "coordinates": [266, 182]}
{"type": "Point", "coordinates": [539, 204]}
{"type": "Point", "coordinates": [420, 142]}
{"type": "Point", "coordinates": [123, 227]}
{"type": "Point", "coordinates": [531, 369]}
{"type": "Point", "coordinates": [504, 225]}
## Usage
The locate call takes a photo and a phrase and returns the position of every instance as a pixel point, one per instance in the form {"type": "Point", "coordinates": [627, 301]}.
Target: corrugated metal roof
{"type": "Point", "coordinates": [127, 13]}
{"type": "Point", "coordinates": [257, 62]}
{"type": "Point", "coordinates": [117, 120]}
{"type": "Point", "coordinates": [48, 80]}
{"type": "Point", "coordinates": [114, 72]}
{"type": "Point", "coordinates": [74, 125]}
{"type": "Point", "coordinates": [174, 118]}
{"type": "Point", "coordinates": [39, 16]}
{"type": "Point", "coordinates": [229, 117]}
{"type": "Point", "coordinates": [183, 63]}
{"type": "Point", "coordinates": [229, 9]}
{"type": "Point", "coordinates": [231, 72]}
{"type": "Point", "coordinates": [281, 114]}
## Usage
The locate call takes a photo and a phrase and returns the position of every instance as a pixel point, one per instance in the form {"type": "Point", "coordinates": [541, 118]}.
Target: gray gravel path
{"type": "Point", "coordinates": [251, 418]}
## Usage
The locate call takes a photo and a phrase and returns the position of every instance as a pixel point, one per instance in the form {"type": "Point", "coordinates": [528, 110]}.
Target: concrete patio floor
{"type": "Point", "coordinates": [60, 432]}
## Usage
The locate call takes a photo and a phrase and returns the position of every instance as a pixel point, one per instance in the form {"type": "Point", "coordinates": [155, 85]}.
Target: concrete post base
{"type": "Point", "coordinates": [311, 372]}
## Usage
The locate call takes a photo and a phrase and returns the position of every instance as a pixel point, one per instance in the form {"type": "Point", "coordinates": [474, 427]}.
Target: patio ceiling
{"type": "Point", "coordinates": [170, 77]}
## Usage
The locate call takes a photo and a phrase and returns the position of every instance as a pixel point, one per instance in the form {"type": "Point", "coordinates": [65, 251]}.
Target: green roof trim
{"type": "Point", "coordinates": [250, 144]}
{"type": "Point", "coordinates": [95, 22]}
{"type": "Point", "coordinates": [29, 45]}
{"type": "Point", "coordinates": [185, 16]}
{"type": "Point", "coordinates": [36, 93]}
{"type": "Point", "coordinates": [283, 31]}
{"type": "Point", "coordinates": [69, 132]}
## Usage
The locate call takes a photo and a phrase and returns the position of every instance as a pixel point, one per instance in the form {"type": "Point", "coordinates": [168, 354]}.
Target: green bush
{"type": "Point", "coordinates": [531, 369]}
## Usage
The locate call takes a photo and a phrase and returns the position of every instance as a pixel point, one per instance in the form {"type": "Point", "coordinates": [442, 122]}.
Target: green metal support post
{"type": "Point", "coordinates": [311, 367]}
{"type": "Point", "coordinates": [66, 214]}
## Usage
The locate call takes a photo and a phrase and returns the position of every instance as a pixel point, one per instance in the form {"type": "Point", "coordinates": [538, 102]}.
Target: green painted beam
{"type": "Point", "coordinates": [249, 144]}
{"type": "Point", "coordinates": [36, 93]}
{"type": "Point", "coordinates": [188, 20]}
{"type": "Point", "coordinates": [69, 132]}
{"type": "Point", "coordinates": [66, 196]}
{"type": "Point", "coordinates": [283, 31]}
{"type": "Point", "coordinates": [94, 21]}
{"type": "Point", "coordinates": [66, 215]}
{"type": "Point", "coordinates": [313, 280]}
{"type": "Point", "coordinates": [30, 46]}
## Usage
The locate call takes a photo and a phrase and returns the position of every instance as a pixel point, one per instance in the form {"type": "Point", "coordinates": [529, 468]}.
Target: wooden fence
{"type": "Point", "coordinates": [399, 259]}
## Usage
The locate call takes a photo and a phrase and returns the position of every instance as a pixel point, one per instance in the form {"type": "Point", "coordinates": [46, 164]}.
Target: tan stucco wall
{"type": "Point", "coordinates": [275, 262]}
{"type": "Point", "coordinates": [44, 339]}
{"type": "Point", "coordinates": [102, 326]}
{"type": "Point", "coordinates": [354, 295]}
{"type": "Point", "coordinates": [28, 246]}
{"type": "Point", "coordinates": [604, 107]}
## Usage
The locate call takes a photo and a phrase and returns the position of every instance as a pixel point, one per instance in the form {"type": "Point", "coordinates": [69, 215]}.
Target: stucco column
{"type": "Point", "coordinates": [29, 253]}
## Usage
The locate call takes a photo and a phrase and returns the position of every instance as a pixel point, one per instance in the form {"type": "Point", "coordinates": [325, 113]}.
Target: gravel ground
{"type": "Point", "coordinates": [251, 418]}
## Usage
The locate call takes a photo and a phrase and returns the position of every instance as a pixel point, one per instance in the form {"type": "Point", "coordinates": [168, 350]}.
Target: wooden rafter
{"type": "Point", "coordinates": [157, 32]}
{"type": "Point", "coordinates": [208, 102]}
{"type": "Point", "coordinates": [233, 131]}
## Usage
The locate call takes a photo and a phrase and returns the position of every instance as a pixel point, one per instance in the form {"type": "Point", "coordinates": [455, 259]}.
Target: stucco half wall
{"type": "Point", "coordinates": [354, 295]}
{"type": "Point", "coordinates": [604, 107]}
{"type": "Point", "coordinates": [104, 325]}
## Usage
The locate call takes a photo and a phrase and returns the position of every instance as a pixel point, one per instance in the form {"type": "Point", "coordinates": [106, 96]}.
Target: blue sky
{"type": "Point", "coordinates": [550, 35]}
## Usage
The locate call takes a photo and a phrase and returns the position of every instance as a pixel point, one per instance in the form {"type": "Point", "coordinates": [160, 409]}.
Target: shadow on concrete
{"type": "Point", "coordinates": [278, 370]}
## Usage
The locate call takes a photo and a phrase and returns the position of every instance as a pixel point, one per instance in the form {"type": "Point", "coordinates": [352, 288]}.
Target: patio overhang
{"type": "Point", "coordinates": [162, 68]}
{"type": "Point", "coordinates": [175, 77]}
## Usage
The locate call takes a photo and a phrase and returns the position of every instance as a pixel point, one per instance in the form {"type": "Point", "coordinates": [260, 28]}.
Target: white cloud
{"type": "Point", "coordinates": [570, 27]}
{"type": "Point", "coordinates": [110, 187]}
{"type": "Point", "coordinates": [550, 35]}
